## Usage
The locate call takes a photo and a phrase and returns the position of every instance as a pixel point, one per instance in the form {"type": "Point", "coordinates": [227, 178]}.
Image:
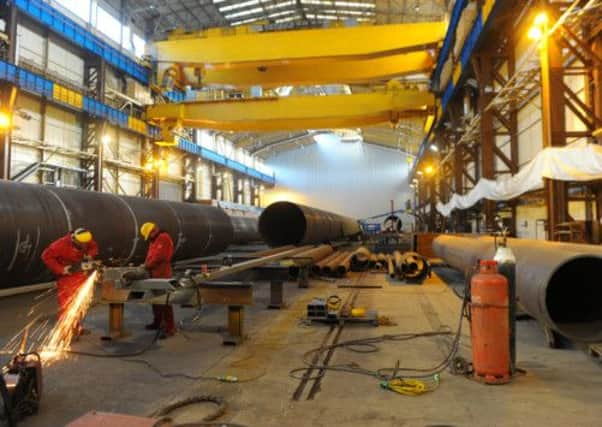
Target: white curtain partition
{"type": "Point", "coordinates": [576, 162]}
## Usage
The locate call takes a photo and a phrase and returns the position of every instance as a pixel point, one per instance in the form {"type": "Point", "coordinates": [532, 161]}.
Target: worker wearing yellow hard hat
{"type": "Point", "coordinates": [81, 236]}
{"type": "Point", "coordinates": [158, 264]}
{"type": "Point", "coordinates": [146, 229]}
{"type": "Point", "coordinates": [64, 258]}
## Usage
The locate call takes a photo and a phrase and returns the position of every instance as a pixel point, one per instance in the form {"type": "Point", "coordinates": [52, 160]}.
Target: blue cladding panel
{"type": "Point", "coordinates": [77, 34]}
{"type": "Point", "coordinates": [471, 40]}
{"type": "Point", "coordinates": [449, 37]}
{"type": "Point", "coordinates": [449, 91]}
{"type": "Point", "coordinates": [214, 157]}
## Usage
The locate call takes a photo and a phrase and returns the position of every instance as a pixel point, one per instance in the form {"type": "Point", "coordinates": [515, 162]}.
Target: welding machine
{"type": "Point", "coordinates": [20, 388]}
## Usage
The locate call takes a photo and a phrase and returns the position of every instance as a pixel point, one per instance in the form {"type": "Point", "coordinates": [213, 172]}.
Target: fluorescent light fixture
{"type": "Point", "coordinates": [243, 21]}
{"type": "Point", "coordinates": [279, 5]}
{"type": "Point", "coordinates": [245, 12]}
{"type": "Point", "coordinates": [349, 12]}
{"type": "Point", "coordinates": [281, 13]}
{"type": "Point", "coordinates": [238, 5]}
{"type": "Point", "coordinates": [287, 19]}
{"type": "Point", "coordinates": [353, 4]}
{"type": "Point", "coordinates": [331, 17]}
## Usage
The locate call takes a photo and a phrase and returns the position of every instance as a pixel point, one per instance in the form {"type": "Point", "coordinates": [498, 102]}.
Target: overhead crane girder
{"type": "Point", "coordinates": [222, 48]}
{"type": "Point", "coordinates": [347, 71]}
{"type": "Point", "coordinates": [295, 112]}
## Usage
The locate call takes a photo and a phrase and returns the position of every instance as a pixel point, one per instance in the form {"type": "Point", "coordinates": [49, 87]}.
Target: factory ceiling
{"type": "Point", "coordinates": [161, 16]}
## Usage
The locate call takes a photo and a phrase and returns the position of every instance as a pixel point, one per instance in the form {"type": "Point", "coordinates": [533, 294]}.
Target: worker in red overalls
{"type": "Point", "coordinates": [64, 257]}
{"type": "Point", "coordinates": [158, 264]}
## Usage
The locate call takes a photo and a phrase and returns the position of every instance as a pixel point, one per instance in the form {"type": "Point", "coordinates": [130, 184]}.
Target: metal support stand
{"type": "Point", "coordinates": [303, 278]}
{"type": "Point", "coordinates": [234, 336]}
{"type": "Point", "coordinates": [553, 339]}
{"type": "Point", "coordinates": [116, 317]}
{"type": "Point", "coordinates": [276, 295]}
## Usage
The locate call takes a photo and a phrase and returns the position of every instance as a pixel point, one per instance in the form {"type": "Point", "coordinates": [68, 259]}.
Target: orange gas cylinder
{"type": "Point", "coordinates": [489, 325]}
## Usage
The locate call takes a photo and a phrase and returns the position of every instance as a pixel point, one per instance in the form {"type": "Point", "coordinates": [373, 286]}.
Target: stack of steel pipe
{"type": "Point", "coordinates": [360, 259]}
{"type": "Point", "coordinates": [330, 267]}
{"type": "Point", "coordinates": [317, 267]}
{"type": "Point", "coordinates": [284, 223]}
{"type": "Point", "coordinates": [309, 257]}
{"type": "Point", "coordinates": [556, 283]}
{"type": "Point", "coordinates": [344, 265]}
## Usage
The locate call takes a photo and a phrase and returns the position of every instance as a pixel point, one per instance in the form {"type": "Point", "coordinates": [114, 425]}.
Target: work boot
{"type": "Point", "coordinates": [163, 334]}
{"type": "Point", "coordinates": [151, 327]}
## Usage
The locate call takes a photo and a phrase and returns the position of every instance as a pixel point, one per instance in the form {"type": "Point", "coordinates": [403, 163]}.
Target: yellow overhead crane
{"type": "Point", "coordinates": [242, 57]}
{"type": "Point", "coordinates": [294, 112]}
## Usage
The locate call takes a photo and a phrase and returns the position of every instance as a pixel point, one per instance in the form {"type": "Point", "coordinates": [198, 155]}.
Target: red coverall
{"type": "Point", "coordinates": [57, 256]}
{"type": "Point", "coordinates": [158, 263]}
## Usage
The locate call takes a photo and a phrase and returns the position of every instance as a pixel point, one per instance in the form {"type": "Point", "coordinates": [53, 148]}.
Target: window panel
{"type": "Point", "coordinates": [80, 8]}
{"type": "Point", "coordinates": [139, 45]}
{"type": "Point", "coordinates": [108, 25]}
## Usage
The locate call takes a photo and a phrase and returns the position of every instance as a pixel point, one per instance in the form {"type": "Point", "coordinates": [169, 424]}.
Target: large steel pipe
{"type": "Point", "coordinates": [284, 223]}
{"type": "Point", "coordinates": [245, 229]}
{"type": "Point", "coordinates": [32, 216]}
{"type": "Point", "coordinates": [557, 283]}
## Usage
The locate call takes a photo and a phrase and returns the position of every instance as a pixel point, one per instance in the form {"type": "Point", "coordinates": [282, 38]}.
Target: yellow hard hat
{"type": "Point", "coordinates": [82, 235]}
{"type": "Point", "coordinates": [147, 229]}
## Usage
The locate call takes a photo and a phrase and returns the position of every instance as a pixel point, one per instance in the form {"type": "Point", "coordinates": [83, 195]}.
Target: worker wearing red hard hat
{"type": "Point", "coordinates": [64, 257]}
{"type": "Point", "coordinates": [158, 264]}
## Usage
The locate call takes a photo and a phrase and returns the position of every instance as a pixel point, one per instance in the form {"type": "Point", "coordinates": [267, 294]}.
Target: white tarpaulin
{"type": "Point", "coordinates": [576, 162]}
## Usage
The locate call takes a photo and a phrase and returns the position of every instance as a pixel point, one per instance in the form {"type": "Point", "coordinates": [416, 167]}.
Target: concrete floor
{"type": "Point", "coordinates": [561, 387]}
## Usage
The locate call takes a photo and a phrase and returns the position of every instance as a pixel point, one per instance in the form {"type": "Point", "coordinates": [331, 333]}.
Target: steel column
{"type": "Point", "coordinates": [553, 126]}
{"type": "Point", "coordinates": [487, 141]}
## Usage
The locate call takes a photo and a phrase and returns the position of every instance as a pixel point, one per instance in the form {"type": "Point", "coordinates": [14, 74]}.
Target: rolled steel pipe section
{"type": "Point", "coordinates": [557, 283]}
{"type": "Point", "coordinates": [287, 223]}
{"type": "Point", "coordinates": [246, 229]}
{"type": "Point", "coordinates": [33, 216]}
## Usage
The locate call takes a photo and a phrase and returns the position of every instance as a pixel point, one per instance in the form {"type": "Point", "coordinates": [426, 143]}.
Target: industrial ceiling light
{"type": "Point", "coordinates": [541, 19]}
{"type": "Point", "coordinates": [429, 170]}
{"type": "Point", "coordinates": [5, 120]}
{"type": "Point", "coordinates": [434, 148]}
{"type": "Point", "coordinates": [536, 32]}
{"type": "Point", "coordinates": [106, 139]}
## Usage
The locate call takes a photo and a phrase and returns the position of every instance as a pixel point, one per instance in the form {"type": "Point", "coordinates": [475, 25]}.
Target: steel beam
{"type": "Point", "coordinates": [342, 71]}
{"type": "Point", "coordinates": [219, 47]}
{"type": "Point", "coordinates": [296, 112]}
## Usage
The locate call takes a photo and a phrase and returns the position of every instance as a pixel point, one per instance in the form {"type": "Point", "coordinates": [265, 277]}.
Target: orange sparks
{"type": "Point", "coordinates": [60, 337]}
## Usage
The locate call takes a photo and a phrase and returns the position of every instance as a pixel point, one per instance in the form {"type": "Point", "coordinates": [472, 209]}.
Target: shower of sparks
{"type": "Point", "coordinates": [58, 341]}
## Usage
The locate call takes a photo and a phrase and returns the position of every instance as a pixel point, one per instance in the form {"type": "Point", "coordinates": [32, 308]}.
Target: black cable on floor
{"type": "Point", "coordinates": [370, 344]}
{"type": "Point", "coordinates": [202, 398]}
